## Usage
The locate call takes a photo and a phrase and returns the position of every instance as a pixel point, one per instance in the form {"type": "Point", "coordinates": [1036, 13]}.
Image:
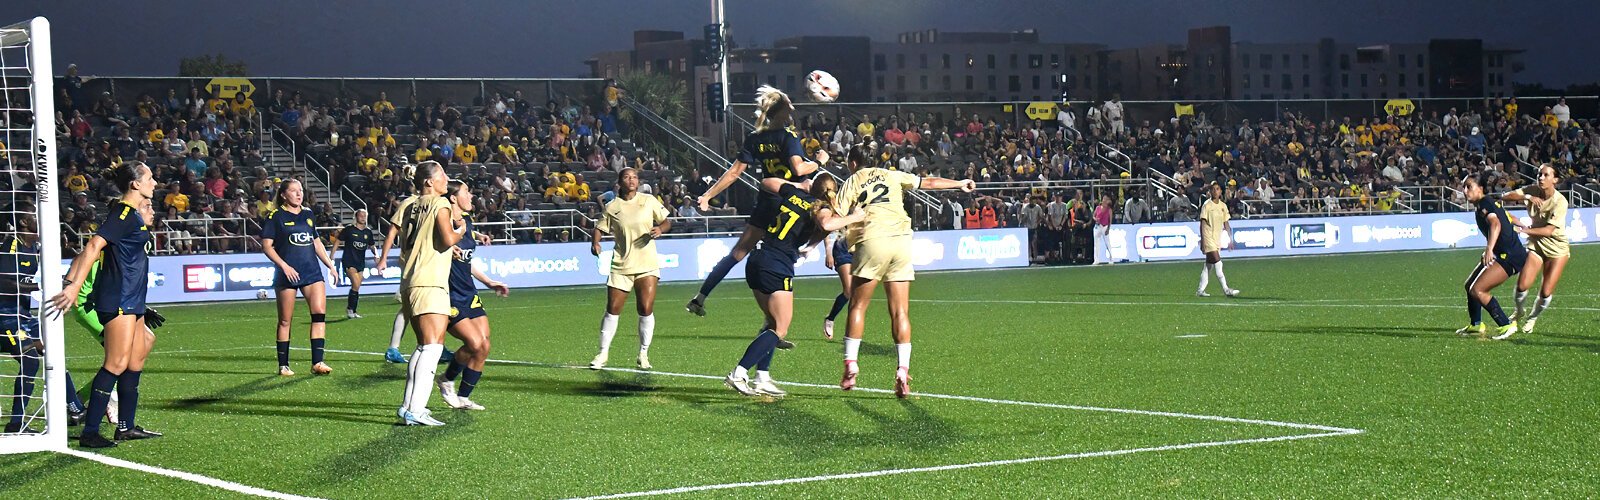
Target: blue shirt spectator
{"type": "Point", "coordinates": [194, 164]}
{"type": "Point", "coordinates": [1475, 141]}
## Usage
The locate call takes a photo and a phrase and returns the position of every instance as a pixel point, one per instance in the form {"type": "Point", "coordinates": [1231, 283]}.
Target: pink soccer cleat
{"type": "Point", "coordinates": [849, 380]}
{"type": "Point", "coordinates": [902, 382]}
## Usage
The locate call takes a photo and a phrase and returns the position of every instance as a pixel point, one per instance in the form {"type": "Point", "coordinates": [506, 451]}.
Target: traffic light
{"type": "Point", "coordinates": [714, 103]}
{"type": "Point", "coordinates": [714, 45]}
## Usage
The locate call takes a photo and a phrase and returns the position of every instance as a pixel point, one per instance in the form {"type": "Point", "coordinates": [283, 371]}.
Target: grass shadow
{"type": "Point", "coordinates": [382, 453]}
{"type": "Point", "coordinates": [50, 465]}
{"type": "Point", "coordinates": [1363, 330]}
{"type": "Point", "coordinates": [225, 395]}
{"type": "Point", "coordinates": [294, 409]}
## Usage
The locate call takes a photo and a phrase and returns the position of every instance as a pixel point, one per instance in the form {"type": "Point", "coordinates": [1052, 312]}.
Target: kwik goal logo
{"type": "Point", "coordinates": [989, 248]}
{"type": "Point", "coordinates": [1367, 234]}
{"type": "Point", "coordinates": [516, 266]}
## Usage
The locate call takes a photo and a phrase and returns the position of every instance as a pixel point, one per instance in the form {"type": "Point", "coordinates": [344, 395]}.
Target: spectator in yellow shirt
{"type": "Point", "coordinates": [1549, 119]}
{"type": "Point", "coordinates": [242, 105]}
{"type": "Point", "coordinates": [76, 181]}
{"type": "Point", "coordinates": [265, 206]}
{"type": "Point", "coordinates": [156, 137]}
{"type": "Point", "coordinates": [866, 129]}
{"type": "Point", "coordinates": [555, 193]}
{"type": "Point", "coordinates": [1511, 109]}
{"type": "Point", "coordinates": [579, 190]}
{"type": "Point", "coordinates": [176, 199]}
{"type": "Point", "coordinates": [216, 106]}
{"type": "Point", "coordinates": [508, 150]}
{"type": "Point", "coordinates": [383, 106]}
{"type": "Point", "coordinates": [468, 153]}
{"type": "Point", "coordinates": [423, 153]}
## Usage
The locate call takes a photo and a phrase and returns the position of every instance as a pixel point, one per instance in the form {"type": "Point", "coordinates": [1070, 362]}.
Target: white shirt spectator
{"type": "Point", "coordinates": [1132, 211]}
{"type": "Point", "coordinates": [1393, 173]}
{"type": "Point", "coordinates": [1030, 215]}
{"type": "Point", "coordinates": [1562, 112]}
{"type": "Point", "coordinates": [1067, 118]}
{"type": "Point", "coordinates": [1178, 207]}
{"type": "Point", "coordinates": [688, 210]}
{"type": "Point", "coordinates": [908, 163]}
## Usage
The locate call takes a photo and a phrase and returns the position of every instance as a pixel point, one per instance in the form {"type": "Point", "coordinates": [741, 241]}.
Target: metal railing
{"type": "Point", "coordinates": [189, 236]}
{"type": "Point", "coordinates": [344, 194]}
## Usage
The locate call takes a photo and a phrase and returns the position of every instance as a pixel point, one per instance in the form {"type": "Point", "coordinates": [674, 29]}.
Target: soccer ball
{"type": "Point", "coordinates": [822, 86]}
{"type": "Point", "coordinates": [261, 294]}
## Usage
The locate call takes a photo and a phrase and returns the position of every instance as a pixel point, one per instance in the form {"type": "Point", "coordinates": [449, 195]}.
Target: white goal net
{"type": "Point", "coordinates": [32, 360]}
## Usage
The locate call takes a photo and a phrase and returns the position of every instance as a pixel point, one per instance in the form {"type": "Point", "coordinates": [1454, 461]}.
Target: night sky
{"type": "Point", "coordinates": [510, 38]}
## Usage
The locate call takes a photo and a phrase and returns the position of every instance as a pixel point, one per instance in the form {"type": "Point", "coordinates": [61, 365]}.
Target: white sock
{"type": "Point", "coordinates": [647, 331]}
{"type": "Point", "coordinates": [1538, 307]}
{"type": "Point", "coordinates": [608, 330]}
{"type": "Point", "coordinates": [763, 375]}
{"type": "Point", "coordinates": [419, 381]}
{"type": "Point", "coordinates": [1205, 277]}
{"type": "Point", "coordinates": [1522, 301]}
{"type": "Point", "coordinates": [904, 352]}
{"type": "Point", "coordinates": [852, 348]}
{"type": "Point", "coordinates": [1221, 278]}
{"type": "Point", "coordinates": [741, 372]}
{"type": "Point", "coordinates": [399, 329]}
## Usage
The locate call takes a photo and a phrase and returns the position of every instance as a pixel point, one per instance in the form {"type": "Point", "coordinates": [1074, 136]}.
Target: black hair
{"type": "Point", "coordinates": [128, 173]}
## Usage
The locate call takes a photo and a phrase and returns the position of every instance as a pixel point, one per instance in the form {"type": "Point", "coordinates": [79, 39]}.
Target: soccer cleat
{"type": "Point", "coordinates": [447, 391]}
{"type": "Point", "coordinates": [599, 361]}
{"type": "Point", "coordinates": [135, 433]}
{"type": "Point", "coordinates": [424, 418]}
{"type": "Point", "coordinates": [446, 357]}
{"type": "Point", "coordinates": [393, 355]}
{"type": "Point", "coordinates": [644, 360]}
{"type": "Point", "coordinates": [767, 387]}
{"type": "Point", "coordinates": [784, 344]}
{"type": "Point", "coordinates": [902, 383]}
{"type": "Point", "coordinates": [1201, 293]}
{"type": "Point", "coordinates": [696, 306]}
{"type": "Point", "coordinates": [13, 427]}
{"type": "Point", "coordinates": [76, 418]}
{"type": "Point", "coordinates": [1470, 330]}
{"type": "Point", "coordinates": [352, 315]}
{"type": "Point", "coordinates": [1507, 331]}
{"type": "Point", "coordinates": [849, 380]}
{"type": "Point", "coordinates": [467, 404]}
{"type": "Point", "coordinates": [827, 329]}
{"type": "Point", "coordinates": [740, 384]}
{"type": "Point", "coordinates": [1527, 326]}
{"type": "Point", "coordinates": [284, 371]}
{"type": "Point", "coordinates": [321, 369]}
{"type": "Point", "coordinates": [95, 440]}
{"type": "Point", "coordinates": [1232, 292]}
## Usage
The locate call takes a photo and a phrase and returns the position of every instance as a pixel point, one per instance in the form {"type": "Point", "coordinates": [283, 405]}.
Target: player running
{"type": "Point", "coordinates": [468, 321]}
{"type": "Point", "coordinates": [119, 303]}
{"type": "Point", "coordinates": [357, 238]}
{"type": "Point", "coordinates": [1213, 227]}
{"type": "Point", "coordinates": [289, 238]}
{"type": "Point", "coordinates": [800, 221]}
{"type": "Point", "coordinates": [776, 152]}
{"type": "Point", "coordinates": [882, 248]}
{"type": "Point", "coordinates": [429, 226]}
{"type": "Point", "coordinates": [19, 328]}
{"type": "Point", "coordinates": [1547, 237]}
{"type": "Point", "coordinates": [1502, 258]}
{"type": "Point", "coordinates": [634, 221]}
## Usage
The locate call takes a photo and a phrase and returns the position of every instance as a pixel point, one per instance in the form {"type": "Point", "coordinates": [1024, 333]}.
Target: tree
{"type": "Point", "coordinates": [665, 95]}
{"type": "Point", "coordinates": [208, 65]}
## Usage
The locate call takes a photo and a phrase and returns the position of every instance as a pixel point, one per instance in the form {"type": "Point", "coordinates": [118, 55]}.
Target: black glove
{"type": "Point", "coordinates": [153, 319]}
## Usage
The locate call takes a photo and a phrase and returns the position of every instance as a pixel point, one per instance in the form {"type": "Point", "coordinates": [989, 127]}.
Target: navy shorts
{"type": "Point", "coordinates": [107, 316]}
{"type": "Point", "coordinates": [769, 272]}
{"type": "Point", "coordinates": [1512, 261]}
{"type": "Point", "coordinates": [359, 266]}
{"type": "Point", "coordinates": [17, 331]}
{"type": "Point", "coordinates": [307, 278]}
{"type": "Point", "coordinates": [841, 253]}
{"type": "Point", "coordinates": [466, 309]}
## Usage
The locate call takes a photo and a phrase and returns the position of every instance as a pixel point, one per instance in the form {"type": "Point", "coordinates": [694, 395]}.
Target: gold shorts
{"type": "Point", "coordinates": [422, 300]}
{"type": "Point", "coordinates": [1549, 248]}
{"type": "Point", "coordinates": [624, 282]}
{"type": "Point", "coordinates": [884, 259]}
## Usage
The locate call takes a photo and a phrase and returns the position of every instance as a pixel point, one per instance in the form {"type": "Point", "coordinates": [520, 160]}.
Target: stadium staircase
{"type": "Point", "coordinates": [280, 162]}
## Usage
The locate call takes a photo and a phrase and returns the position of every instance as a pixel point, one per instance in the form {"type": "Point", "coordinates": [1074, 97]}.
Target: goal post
{"type": "Point", "coordinates": [29, 163]}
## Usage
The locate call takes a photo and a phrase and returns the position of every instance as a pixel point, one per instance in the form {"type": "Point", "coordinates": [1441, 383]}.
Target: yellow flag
{"type": "Point", "coordinates": [1182, 109]}
{"type": "Point", "coordinates": [1399, 107]}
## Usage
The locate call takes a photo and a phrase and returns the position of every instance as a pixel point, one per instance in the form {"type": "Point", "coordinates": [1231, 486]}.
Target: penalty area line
{"type": "Point", "coordinates": [186, 476]}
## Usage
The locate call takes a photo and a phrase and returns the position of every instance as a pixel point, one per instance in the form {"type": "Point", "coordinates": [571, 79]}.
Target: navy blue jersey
{"type": "Point", "coordinates": [357, 244]}
{"type": "Point", "coordinates": [462, 287]}
{"type": "Point", "coordinates": [294, 237]}
{"type": "Point", "coordinates": [769, 153]}
{"type": "Point", "coordinates": [1508, 242]}
{"type": "Point", "coordinates": [790, 224]}
{"type": "Point", "coordinates": [19, 262]}
{"type": "Point", "coordinates": [124, 265]}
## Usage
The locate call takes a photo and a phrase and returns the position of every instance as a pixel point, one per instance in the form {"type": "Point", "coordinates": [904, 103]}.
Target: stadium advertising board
{"type": "Point", "coordinates": [1324, 235]}
{"type": "Point", "coordinates": [238, 277]}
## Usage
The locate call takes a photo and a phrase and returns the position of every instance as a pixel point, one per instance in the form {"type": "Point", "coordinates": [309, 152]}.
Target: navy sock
{"type": "Point", "coordinates": [127, 398]}
{"type": "Point", "coordinates": [838, 305]}
{"type": "Point", "coordinates": [24, 384]}
{"type": "Point", "coordinates": [100, 394]}
{"type": "Point", "coordinates": [74, 403]}
{"type": "Point", "coordinates": [454, 370]}
{"type": "Point", "coordinates": [1496, 312]}
{"type": "Point", "coordinates": [759, 348]}
{"type": "Point", "coordinates": [718, 272]}
{"type": "Point", "coordinates": [316, 350]}
{"type": "Point", "coordinates": [766, 361]}
{"type": "Point", "coordinates": [283, 353]}
{"type": "Point", "coordinates": [469, 381]}
{"type": "Point", "coordinates": [351, 301]}
{"type": "Point", "coordinates": [1474, 309]}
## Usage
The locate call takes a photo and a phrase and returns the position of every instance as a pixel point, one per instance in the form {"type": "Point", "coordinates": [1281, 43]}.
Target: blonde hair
{"type": "Point", "coordinates": [774, 109]}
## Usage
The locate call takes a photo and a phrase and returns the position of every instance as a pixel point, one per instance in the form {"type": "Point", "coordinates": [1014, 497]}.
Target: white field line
{"type": "Point", "coordinates": [186, 476]}
{"type": "Point", "coordinates": [889, 472]}
{"type": "Point", "coordinates": [176, 351]}
{"type": "Point", "coordinates": [1322, 431]}
{"type": "Point", "coordinates": [1192, 336]}
{"type": "Point", "coordinates": [1198, 303]}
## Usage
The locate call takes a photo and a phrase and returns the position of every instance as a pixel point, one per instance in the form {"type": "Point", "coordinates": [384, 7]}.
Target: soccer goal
{"type": "Point", "coordinates": [30, 232]}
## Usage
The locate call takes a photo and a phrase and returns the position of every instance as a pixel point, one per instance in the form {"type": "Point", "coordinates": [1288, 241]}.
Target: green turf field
{"type": "Point", "coordinates": [1334, 345]}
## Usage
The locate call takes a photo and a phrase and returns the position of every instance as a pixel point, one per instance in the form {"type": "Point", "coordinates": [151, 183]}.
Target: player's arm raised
{"type": "Point", "coordinates": [935, 183]}
{"type": "Point", "coordinates": [722, 184]}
